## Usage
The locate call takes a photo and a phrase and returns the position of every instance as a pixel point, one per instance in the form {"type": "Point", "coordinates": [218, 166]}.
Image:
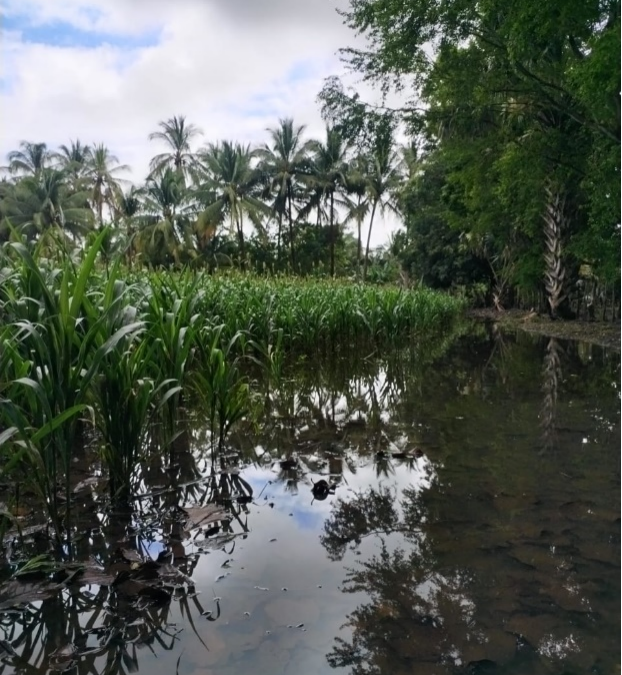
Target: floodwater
{"type": "Point", "coordinates": [474, 528]}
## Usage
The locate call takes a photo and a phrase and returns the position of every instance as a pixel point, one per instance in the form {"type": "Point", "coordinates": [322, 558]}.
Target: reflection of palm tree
{"type": "Point", "coordinates": [551, 374]}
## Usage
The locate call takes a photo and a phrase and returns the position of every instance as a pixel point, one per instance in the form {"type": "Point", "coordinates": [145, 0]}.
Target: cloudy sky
{"type": "Point", "coordinates": [109, 70]}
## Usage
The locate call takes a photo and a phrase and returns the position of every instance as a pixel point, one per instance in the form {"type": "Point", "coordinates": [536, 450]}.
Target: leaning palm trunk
{"type": "Point", "coordinates": [554, 225]}
{"type": "Point", "coordinates": [371, 222]}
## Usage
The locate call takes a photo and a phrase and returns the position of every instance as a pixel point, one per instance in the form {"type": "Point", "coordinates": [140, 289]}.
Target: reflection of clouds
{"type": "Point", "coordinates": [558, 648]}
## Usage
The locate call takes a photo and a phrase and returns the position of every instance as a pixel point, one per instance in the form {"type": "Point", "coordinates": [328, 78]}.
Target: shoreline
{"type": "Point", "coordinates": [595, 332]}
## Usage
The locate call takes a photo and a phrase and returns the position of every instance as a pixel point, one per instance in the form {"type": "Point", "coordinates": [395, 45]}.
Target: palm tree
{"type": "Point", "coordinates": [165, 224]}
{"type": "Point", "coordinates": [177, 134]}
{"type": "Point", "coordinates": [44, 204]}
{"type": "Point", "coordinates": [72, 159]}
{"type": "Point", "coordinates": [383, 180]}
{"type": "Point", "coordinates": [231, 188]}
{"type": "Point", "coordinates": [284, 160]}
{"type": "Point", "coordinates": [101, 170]}
{"type": "Point", "coordinates": [127, 207]}
{"type": "Point", "coordinates": [328, 175]}
{"type": "Point", "coordinates": [29, 160]}
{"type": "Point", "coordinates": [357, 200]}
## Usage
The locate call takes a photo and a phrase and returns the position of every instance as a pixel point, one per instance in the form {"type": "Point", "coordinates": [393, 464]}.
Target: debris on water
{"type": "Point", "coordinates": [261, 588]}
{"type": "Point", "coordinates": [284, 589]}
{"type": "Point", "coordinates": [64, 658]}
{"type": "Point", "coordinates": [220, 577]}
{"type": "Point", "coordinates": [322, 489]}
{"type": "Point", "coordinates": [271, 540]}
{"type": "Point", "coordinates": [247, 613]}
{"type": "Point", "coordinates": [300, 625]}
{"type": "Point", "coordinates": [211, 531]}
{"type": "Point", "coordinates": [227, 562]}
{"type": "Point", "coordinates": [203, 515]}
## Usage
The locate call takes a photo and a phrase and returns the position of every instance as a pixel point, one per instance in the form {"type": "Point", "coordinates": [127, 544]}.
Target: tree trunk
{"type": "Point", "coordinates": [554, 224]}
{"type": "Point", "coordinates": [278, 238]}
{"type": "Point", "coordinates": [359, 243]}
{"type": "Point", "coordinates": [238, 223]}
{"type": "Point", "coordinates": [332, 234]}
{"type": "Point", "coordinates": [371, 222]}
{"type": "Point", "coordinates": [291, 226]}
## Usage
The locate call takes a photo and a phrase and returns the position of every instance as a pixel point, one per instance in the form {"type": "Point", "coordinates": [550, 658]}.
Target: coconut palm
{"type": "Point", "coordinates": [72, 159]}
{"type": "Point", "coordinates": [177, 134]}
{"type": "Point", "coordinates": [357, 200]}
{"type": "Point", "coordinates": [230, 189]}
{"type": "Point", "coordinates": [43, 205]}
{"type": "Point", "coordinates": [329, 169]}
{"type": "Point", "coordinates": [127, 207]}
{"type": "Point", "coordinates": [29, 160]}
{"type": "Point", "coordinates": [164, 235]}
{"type": "Point", "coordinates": [102, 169]}
{"type": "Point", "coordinates": [283, 161]}
{"type": "Point", "coordinates": [383, 180]}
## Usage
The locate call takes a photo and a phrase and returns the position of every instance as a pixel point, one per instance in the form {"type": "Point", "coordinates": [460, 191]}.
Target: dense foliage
{"type": "Point", "coordinates": [516, 111]}
{"type": "Point", "coordinates": [283, 206]}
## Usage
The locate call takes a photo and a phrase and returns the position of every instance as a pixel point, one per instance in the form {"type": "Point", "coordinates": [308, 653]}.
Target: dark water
{"type": "Point", "coordinates": [475, 528]}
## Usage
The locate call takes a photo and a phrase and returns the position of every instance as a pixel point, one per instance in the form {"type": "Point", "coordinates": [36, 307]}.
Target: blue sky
{"type": "Point", "coordinates": [59, 33]}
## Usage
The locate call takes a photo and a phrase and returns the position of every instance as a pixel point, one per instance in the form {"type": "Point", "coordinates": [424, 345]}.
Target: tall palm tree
{"type": "Point", "coordinates": [43, 205]}
{"type": "Point", "coordinates": [72, 159]}
{"type": "Point", "coordinates": [383, 180]}
{"type": "Point", "coordinates": [101, 170]}
{"type": "Point", "coordinates": [328, 176]}
{"type": "Point", "coordinates": [127, 207]}
{"type": "Point", "coordinates": [29, 160]}
{"type": "Point", "coordinates": [283, 161]}
{"type": "Point", "coordinates": [231, 189]}
{"type": "Point", "coordinates": [177, 134]}
{"type": "Point", "coordinates": [357, 200]}
{"type": "Point", "coordinates": [164, 233]}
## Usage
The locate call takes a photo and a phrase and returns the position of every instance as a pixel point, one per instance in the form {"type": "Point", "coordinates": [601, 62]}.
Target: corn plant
{"type": "Point", "coordinates": [59, 346]}
{"type": "Point", "coordinates": [219, 384]}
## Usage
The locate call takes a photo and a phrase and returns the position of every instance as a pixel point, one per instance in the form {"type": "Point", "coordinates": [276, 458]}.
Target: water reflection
{"type": "Point", "coordinates": [474, 527]}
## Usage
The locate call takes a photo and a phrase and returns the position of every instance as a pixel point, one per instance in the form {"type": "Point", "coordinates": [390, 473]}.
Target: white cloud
{"type": "Point", "coordinates": [232, 67]}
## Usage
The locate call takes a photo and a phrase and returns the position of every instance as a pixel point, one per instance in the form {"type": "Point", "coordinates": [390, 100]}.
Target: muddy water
{"type": "Point", "coordinates": [474, 528]}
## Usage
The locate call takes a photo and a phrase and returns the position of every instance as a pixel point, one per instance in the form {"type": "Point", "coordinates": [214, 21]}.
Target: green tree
{"type": "Point", "coordinates": [283, 161]}
{"type": "Point", "coordinates": [382, 182]}
{"type": "Point", "coordinates": [42, 206]}
{"type": "Point", "coordinates": [164, 235]}
{"type": "Point", "coordinates": [29, 160]}
{"type": "Point", "coordinates": [230, 188]}
{"type": "Point", "coordinates": [328, 177]}
{"type": "Point", "coordinates": [72, 159]}
{"type": "Point", "coordinates": [102, 169]}
{"type": "Point", "coordinates": [177, 135]}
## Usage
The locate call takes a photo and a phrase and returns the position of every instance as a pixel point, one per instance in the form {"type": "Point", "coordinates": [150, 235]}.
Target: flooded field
{"type": "Point", "coordinates": [454, 508]}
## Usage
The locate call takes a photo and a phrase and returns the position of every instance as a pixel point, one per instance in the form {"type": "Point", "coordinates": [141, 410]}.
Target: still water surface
{"type": "Point", "coordinates": [474, 528]}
